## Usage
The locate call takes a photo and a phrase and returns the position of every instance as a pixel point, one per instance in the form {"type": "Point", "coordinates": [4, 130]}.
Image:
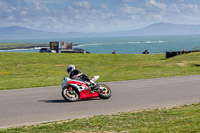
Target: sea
{"type": "Point", "coordinates": [122, 45]}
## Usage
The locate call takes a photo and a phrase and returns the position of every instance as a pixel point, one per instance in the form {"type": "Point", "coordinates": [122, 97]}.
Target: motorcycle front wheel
{"type": "Point", "coordinates": [104, 91]}
{"type": "Point", "coordinates": [70, 94]}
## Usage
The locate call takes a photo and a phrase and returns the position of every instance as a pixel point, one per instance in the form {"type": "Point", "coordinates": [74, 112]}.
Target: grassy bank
{"type": "Point", "coordinates": [178, 119]}
{"type": "Point", "coordinates": [24, 70]}
{"type": "Point", "coordinates": [6, 46]}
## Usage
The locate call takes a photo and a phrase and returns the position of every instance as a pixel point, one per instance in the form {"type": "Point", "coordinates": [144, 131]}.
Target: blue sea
{"type": "Point", "coordinates": [123, 45]}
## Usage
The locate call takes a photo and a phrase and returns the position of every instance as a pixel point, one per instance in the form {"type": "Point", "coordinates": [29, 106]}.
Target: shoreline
{"type": "Point", "coordinates": [12, 47]}
{"type": "Point", "coordinates": [30, 46]}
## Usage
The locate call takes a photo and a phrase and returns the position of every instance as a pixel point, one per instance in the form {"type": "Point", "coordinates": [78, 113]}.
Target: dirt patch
{"type": "Point", "coordinates": [183, 64]}
{"type": "Point", "coordinates": [61, 65]}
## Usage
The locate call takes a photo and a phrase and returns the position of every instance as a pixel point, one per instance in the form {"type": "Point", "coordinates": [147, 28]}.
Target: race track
{"type": "Point", "coordinates": [37, 105]}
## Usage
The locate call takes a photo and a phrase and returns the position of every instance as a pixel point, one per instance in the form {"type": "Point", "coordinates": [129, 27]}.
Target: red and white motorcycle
{"type": "Point", "coordinates": [75, 89]}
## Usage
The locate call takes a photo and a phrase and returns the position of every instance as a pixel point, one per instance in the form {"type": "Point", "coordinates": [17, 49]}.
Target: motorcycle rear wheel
{"type": "Point", "coordinates": [70, 95]}
{"type": "Point", "coordinates": [105, 93]}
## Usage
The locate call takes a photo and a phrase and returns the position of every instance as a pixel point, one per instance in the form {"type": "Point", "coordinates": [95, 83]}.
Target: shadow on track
{"type": "Point", "coordinates": [53, 101]}
{"type": "Point", "coordinates": [64, 101]}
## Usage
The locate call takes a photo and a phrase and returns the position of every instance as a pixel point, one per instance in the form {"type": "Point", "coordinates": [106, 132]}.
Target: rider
{"type": "Point", "coordinates": [76, 73]}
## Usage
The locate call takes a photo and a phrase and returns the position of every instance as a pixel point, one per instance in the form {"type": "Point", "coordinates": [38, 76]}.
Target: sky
{"type": "Point", "coordinates": [96, 15]}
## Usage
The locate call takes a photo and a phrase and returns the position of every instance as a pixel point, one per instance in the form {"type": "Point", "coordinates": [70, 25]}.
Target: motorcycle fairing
{"type": "Point", "coordinates": [83, 89]}
{"type": "Point", "coordinates": [86, 95]}
{"type": "Point", "coordinates": [94, 78]}
{"type": "Point", "coordinates": [78, 83]}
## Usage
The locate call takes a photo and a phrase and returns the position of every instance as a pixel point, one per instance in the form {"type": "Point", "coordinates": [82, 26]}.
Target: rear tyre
{"type": "Point", "coordinates": [70, 94]}
{"type": "Point", "coordinates": [104, 91]}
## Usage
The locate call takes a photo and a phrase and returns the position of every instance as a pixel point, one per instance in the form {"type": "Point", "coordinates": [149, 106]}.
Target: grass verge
{"type": "Point", "coordinates": [177, 119]}
{"type": "Point", "coordinates": [7, 46]}
{"type": "Point", "coordinates": [25, 70]}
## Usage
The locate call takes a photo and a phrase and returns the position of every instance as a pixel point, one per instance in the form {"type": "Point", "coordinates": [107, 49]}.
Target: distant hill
{"type": "Point", "coordinates": [162, 29]}
{"type": "Point", "coordinates": [169, 29]}
{"type": "Point", "coordinates": [16, 32]}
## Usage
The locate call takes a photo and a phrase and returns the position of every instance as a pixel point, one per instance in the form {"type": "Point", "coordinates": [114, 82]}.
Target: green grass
{"type": "Point", "coordinates": [177, 119]}
{"type": "Point", "coordinates": [25, 70]}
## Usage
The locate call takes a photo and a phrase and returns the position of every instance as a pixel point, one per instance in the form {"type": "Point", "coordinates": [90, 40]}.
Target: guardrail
{"type": "Point", "coordinates": [175, 53]}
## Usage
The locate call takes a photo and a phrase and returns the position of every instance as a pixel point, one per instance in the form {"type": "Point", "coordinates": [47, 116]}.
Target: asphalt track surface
{"type": "Point", "coordinates": [38, 105]}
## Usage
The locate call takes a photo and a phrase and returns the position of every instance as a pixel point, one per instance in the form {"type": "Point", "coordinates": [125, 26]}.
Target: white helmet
{"type": "Point", "coordinates": [70, 68]}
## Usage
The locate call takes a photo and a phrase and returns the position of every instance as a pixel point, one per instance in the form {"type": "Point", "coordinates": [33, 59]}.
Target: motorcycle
{"type": "Point", "coordinates": [78, 89]}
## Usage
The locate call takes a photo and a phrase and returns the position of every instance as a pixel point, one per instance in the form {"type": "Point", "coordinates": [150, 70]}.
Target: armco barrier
{"type": "Point", "coordinates": [175, 53]}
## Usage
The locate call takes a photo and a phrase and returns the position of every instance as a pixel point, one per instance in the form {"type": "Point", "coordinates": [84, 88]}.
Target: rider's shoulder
{"type": "Point", "coordinates": [77, 70]}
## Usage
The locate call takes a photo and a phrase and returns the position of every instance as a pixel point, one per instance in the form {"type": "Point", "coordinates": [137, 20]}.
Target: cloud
{"type": "Point", "coordinates": [153, 4]}
{"type": "Point", "coordinates": [23, 13]}
{"type": "Point", "coordinates": [104, 7]}
{"type": "Point", "coordinates": [11, 18]}
{"type": "Point", "coordinates": [88, 15]}
{"type": "Point", "coordinates": [129, 1]}
{"type": "Point", "coordinates": [182, 1]}
{"type": "Point", "coordinates": [82, 4]}
{"type": "Point", "coordinates": [131, 10]}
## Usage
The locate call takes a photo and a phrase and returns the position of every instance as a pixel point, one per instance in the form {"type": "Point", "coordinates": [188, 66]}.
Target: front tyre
{"type": "Point", "coordinates": [104, 91]}
{"type": "Point", "coordinates": [70, 94]}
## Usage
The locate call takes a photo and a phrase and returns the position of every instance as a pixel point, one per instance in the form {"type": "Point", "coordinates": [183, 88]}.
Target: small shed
{"type": "Point", "coordinates": [64, 47]}
{"type": "Point", "coordinates": [58, 47]}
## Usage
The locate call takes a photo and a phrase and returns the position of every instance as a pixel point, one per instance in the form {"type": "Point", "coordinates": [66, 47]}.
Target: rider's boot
{"type": "Point", "coordinates": [91, 84]}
